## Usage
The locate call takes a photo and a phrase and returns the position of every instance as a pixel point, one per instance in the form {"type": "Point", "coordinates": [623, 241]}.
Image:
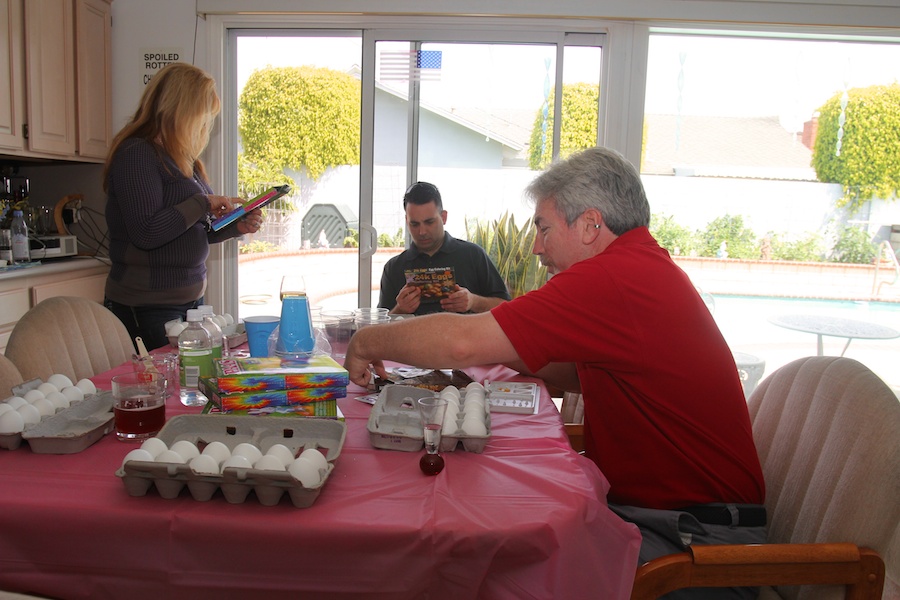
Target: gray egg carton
{"type": "Point", "coordinates": [68, 431]}
{"type": "Point", "coordinates": [396, 424]}
{"type": "Point", "coordinates": [236, 483]}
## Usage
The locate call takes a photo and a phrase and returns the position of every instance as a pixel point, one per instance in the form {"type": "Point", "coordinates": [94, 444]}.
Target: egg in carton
{"type": "Point", "coordinates": [467, 419]}
{"type": "Point", "coordinates": [206, 453]}
{"type": "Point", "coordinates": [56, 416]}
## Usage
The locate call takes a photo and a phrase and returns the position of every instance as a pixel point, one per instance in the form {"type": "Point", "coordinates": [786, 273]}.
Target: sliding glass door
{"type": "Point", "coordinates": [350, 118]}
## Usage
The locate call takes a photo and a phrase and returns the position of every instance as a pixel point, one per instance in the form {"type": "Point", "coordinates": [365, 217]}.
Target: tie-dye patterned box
{"type": "Point", "coordinates": [244, 375]}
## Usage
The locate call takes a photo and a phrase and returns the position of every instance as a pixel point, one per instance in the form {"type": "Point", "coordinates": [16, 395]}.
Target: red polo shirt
{"type": "Point", "coordinates": [665, 415]}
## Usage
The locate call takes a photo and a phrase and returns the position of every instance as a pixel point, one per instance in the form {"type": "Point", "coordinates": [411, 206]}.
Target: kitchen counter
{"type": "Point", "coordinates": [21, 289]}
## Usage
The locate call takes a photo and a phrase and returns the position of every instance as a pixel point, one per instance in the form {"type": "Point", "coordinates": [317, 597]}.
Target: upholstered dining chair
{"type": "Point", "coordinates": [826, 429]}
{"type": "Point", "coordinates": [9, 377]}
{"type": "Point", "coordinates": [73, 336]}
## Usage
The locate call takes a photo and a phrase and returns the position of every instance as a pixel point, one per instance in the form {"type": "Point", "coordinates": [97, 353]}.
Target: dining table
{"type": "Point", "coordinates": [526, 518]}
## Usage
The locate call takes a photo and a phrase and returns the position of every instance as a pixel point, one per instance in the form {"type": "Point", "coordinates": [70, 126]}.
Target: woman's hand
{"type": "Point", "coordinates": [251, 222]}
{"type": "Point", "coordinates": [221, 205]}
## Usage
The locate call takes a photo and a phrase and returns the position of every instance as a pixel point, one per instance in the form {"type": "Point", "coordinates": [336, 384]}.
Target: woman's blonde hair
{"type": "Point", "coordinates": [176, 113]}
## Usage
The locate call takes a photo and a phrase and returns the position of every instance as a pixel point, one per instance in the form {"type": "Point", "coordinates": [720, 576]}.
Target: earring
{"type": "Point", "coordinates": [596, 227]}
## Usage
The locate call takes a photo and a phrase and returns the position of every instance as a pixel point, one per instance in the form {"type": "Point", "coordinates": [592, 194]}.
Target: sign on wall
{"type": "Point", "coordinates": [154, 59]}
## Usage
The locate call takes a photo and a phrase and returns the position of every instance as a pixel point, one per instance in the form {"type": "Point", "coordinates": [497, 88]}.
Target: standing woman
{"type": "Point", "coordinates": [160, 205]}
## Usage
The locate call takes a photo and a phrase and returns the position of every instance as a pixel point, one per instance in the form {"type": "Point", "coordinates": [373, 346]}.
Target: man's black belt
{"type": "Point", "coordinates": [747, 516]}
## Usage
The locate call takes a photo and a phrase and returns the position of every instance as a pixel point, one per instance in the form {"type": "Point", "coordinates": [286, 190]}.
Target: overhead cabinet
{"type": "Point", "coordinates": [63, 82]}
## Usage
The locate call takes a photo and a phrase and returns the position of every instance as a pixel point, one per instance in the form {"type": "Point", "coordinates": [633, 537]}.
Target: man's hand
{"type": "Point", "coordinates": [460, 300]}
{"type": "Point", "coordinates": [358, 366]}
{"type": "Point", "coordinates": [408, 300]}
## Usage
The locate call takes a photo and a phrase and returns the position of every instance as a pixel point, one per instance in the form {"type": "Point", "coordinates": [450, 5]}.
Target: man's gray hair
{"type": "Point", "coordinates": [598, 178]}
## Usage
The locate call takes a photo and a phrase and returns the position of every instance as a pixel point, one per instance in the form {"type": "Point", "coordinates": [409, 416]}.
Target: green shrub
{"type": "Point", "coordinates": [352, 240]}
{"type": "Point", "coordinates": [257, 246]}
{"type": "Point", "coordinates": [854, 246]}
{"type": "Point", "coordinates": [807, 249]}
{"type": "Point", "coordinates": [677, 239]}
{"type": "Point", "coordinates": [740, 240]}
{"type": "Point", "coordinates": [388, 241]}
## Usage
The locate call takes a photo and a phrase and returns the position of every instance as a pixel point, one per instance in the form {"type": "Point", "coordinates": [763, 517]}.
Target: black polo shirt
{"type": "Point", "coordinates": [472, 269]}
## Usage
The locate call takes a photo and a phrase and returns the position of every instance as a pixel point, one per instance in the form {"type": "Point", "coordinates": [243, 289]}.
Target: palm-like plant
{"type": "Point", "coordinates": [510, 248]}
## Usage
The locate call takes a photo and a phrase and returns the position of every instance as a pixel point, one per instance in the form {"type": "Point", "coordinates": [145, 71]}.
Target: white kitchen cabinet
{"type": "Point", "coordinates": [12, 95]}
{"type": "Point", "coordinates": [57, 62]}
{"type": "Point", "coordinates": [23, 289]}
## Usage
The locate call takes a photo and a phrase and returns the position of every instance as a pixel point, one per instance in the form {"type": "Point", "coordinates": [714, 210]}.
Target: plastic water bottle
{"type": "Point", "coordinates": [194, 358]}
{"type": "Point", "coordinates": [215, 332]}
{"type": "Point", "coordinates": [21, 252]}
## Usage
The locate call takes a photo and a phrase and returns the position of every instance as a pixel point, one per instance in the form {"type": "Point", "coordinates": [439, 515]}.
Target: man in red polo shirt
{"type": "Point", "coordinates": [665, 415]}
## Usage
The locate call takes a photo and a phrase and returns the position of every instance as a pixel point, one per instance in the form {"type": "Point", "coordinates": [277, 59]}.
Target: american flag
{"type": "Point", "coordinates": [419, 65]}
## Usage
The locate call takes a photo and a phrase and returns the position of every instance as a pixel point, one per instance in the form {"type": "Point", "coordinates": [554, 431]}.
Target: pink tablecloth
{"type": "Point", "coordinates": [525, 519]}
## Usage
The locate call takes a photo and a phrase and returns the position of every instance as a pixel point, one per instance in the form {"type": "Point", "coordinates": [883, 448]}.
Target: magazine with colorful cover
{"type": "Point", "coordinates": [435, 282]}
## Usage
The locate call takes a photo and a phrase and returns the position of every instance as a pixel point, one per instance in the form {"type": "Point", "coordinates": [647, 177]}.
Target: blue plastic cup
{"type": "Point", "coordinates": [295, 335]}
{"type": "Point", "coordinates": [258, 330]}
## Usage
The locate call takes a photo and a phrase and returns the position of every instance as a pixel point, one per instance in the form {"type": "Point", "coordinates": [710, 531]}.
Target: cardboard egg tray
{"type": "Point", "coordinates": [236, 483]}
{"type": "Point", "coordinates": [513, 396]}
{"type": "Point", "coordinates": [396, 424]}
{"type": "Point", "coordinates": [69, 430]}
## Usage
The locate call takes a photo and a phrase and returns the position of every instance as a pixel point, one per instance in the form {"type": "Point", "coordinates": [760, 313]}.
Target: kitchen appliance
{"type": "Point", "coordinates": [53, 246]}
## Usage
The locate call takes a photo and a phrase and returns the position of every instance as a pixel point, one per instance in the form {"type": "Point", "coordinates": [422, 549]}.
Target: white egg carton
{"type": "Point", "coordinates": [469, 442]}
{"type": "Point", "coordinates": [513, 396]}
{"type": "Point", "coordinates": [236, 483]}
{"type": "Point", "coordinates": [67, 431]}
{"type": "Point", "coordinates": [396, 424]}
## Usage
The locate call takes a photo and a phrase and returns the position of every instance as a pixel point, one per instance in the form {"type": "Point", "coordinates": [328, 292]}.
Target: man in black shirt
{"type": "Point", "coordinates": [438, 272]}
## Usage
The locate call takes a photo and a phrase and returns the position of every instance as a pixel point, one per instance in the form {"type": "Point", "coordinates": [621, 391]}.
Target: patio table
{"type": "Point", "coordinates": [823, 325]}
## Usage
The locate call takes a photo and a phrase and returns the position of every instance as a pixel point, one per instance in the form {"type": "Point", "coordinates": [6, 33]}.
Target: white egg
{"type": "Point", "coordinates": [474, 428]}
{"type": "Point", "coordinates": [59, 400]}
{"type": "Point", "coordinates": [315, 457]}
{"type": "Point", "coordinates": [187, 449]}
{"type": "Point", "coordinates": [170, 456]}
{"type": "Point", "coordinates": [46, 388]}
{"type": "Point", "coordinates": [449, 427]}
{"type": "Point", "coordinates": [31, 414]}
{"type": "Point", "coordinates": [74, 394]}
{"type": "Point", "coordinates": [4, 407]}
{"type": "Point", "coordinates": [15, 401]}
{"type": "Point", "coordinates": [248, 450]}
{"type": "Point", "coordinates": [59, 380]}
{"type": "Point", "coordinates": [32, 395]}
{"type": "Point", "coordinates": [218, 451]}
{"type": "Point", "coordinates": [220, 321]}
{"type": "Point", "coordinates": [204, 464]}
{"type": "Point", "coordinates": [269, 463]}
{"type": "Point", "coordinates": [475, 387]}
{"type": "Point", "coordinates": [282, 453]}
{"type": "Point", "coordinates": [11, 422]}
{"type": "Point", "coordinates": [451, 394]}
{"type": "Point", "coordinates": [237, 460]}
{"type": "Point", "coordinates": [44, 406]}
{"type": "Point", "coordinates": [451, 413]}
{"type": "Point", "coordinates": [87, 386]}
{"type": "Point", "coordinates": [304, 471]}
{"type": "Point", "coordinates": [229, 320]}
{"type": "Point", "coordinates": [154, 446]}
{"type": "Point", "coordinates": [139, 455]}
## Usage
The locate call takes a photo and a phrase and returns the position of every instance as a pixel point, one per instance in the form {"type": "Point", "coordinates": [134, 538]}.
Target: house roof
{"type": "Point", "coordinates": [724, 147]}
